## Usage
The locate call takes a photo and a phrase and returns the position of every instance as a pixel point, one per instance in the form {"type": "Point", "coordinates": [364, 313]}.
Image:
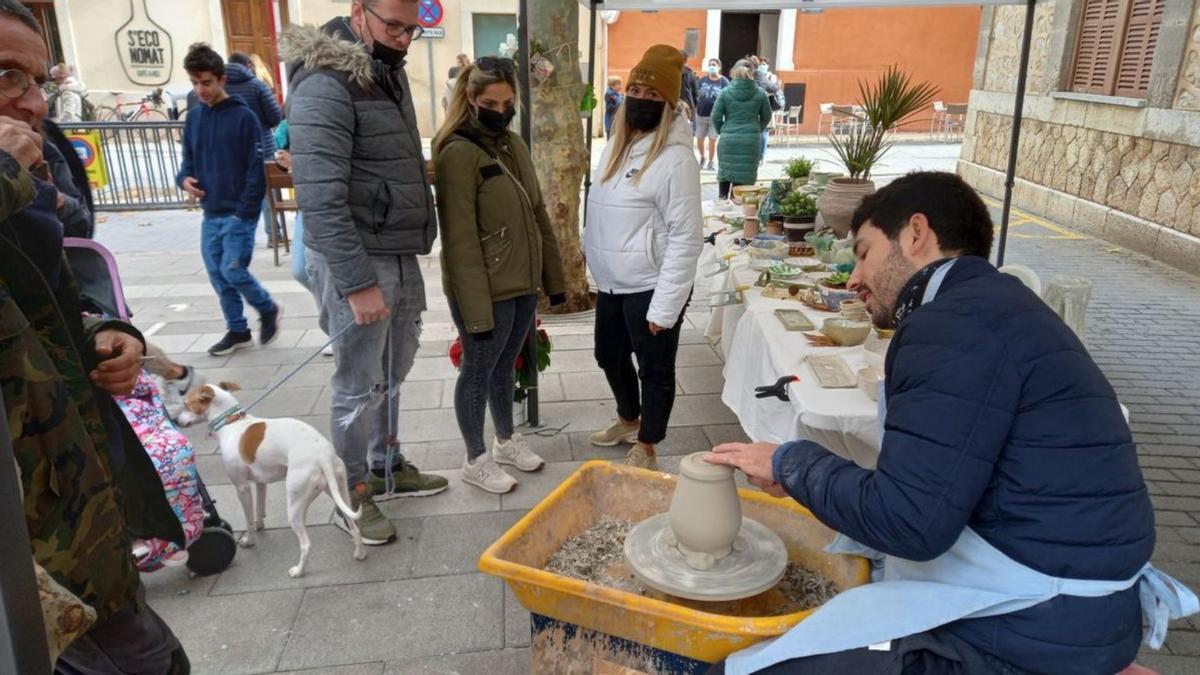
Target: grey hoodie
{"type": "Point", "coordinates": [356, 154]}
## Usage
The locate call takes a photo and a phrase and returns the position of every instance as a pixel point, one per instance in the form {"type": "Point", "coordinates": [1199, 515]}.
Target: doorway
{"type": "Point", "coordinates": [739, 37]}
{"type": "Point", "coordinates": [250, 28]}
{"type": "Point", "coordinates": [43, 11]}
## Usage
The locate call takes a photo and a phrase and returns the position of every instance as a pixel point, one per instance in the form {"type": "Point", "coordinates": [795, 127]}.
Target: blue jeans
{"type": "Point", "coordinates": [762, 145]}
{"type": "Point", "coordinates": [228, 244]}
{"type": "Point", "coordinates": [299, 272]}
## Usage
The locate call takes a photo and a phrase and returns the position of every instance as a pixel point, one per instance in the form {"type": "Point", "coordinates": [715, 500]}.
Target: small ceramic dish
{"type": "Point", "coordinates": [846, 333]}
{"type": "Point", "coordinates": [868, 382]}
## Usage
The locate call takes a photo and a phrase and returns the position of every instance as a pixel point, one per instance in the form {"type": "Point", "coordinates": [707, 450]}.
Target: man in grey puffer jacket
{"type": "Point", "coordinates": [368, 213]}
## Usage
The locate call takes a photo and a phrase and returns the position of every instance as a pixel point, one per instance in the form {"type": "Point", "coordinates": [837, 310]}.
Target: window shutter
{"type": "Point", "coordinates": [1137, 54]}
{"type": "Point", "coordinates": [1100, 35]}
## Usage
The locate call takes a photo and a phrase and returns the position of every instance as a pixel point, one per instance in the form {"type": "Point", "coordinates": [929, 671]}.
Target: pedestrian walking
{"type": "Point", "coordinates": [739, 116]}
{"type": "Point", "coordinates": [708, 89]}
{"type": "Point", "coordinates": [361, 182]}
{"type": "Point", "coordinates": [498, 252]}
{"type": "Point", "coordinates": [260, 98]}
{"type": "Point", "coordinates": [642, 240]}
{"type": "Point", "coordinates": [223, 168]}
{"type": "Point", "coordinates": [613, 98]}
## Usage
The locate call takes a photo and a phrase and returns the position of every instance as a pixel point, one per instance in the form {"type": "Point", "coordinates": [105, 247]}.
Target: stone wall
{"type": "Point", "coordinates": [1155, 180]}
{"type": "Point", "coordinates": [1188, 97]}
{"type": "Point", "coordinates": [1004, 48]}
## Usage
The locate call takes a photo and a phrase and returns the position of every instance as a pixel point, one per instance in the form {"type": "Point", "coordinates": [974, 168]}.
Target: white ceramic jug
{"type": "Point", "coordinates": [706, 514]}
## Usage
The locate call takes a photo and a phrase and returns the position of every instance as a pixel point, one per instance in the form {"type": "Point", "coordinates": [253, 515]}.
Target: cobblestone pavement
{"type": "Point", "coordinates": [391, 612]}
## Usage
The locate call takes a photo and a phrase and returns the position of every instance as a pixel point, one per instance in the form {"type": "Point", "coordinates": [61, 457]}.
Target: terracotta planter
{"type": "Point", "coordinates": [840, 199]}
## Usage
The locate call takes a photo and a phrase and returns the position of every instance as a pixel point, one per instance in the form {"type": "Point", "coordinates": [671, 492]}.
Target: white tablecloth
{"type": "Point", "coordinates": [759, 350]}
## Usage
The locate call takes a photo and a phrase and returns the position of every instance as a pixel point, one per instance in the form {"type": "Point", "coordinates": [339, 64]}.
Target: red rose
{"type": "Point", "coordinates": [456, 352]}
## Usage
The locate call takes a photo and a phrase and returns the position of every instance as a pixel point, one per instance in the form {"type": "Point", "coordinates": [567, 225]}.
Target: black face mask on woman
{"type": "Point", "coordinates": [643, 114]}
{"type": "Point", "coordinates": [495, 121]}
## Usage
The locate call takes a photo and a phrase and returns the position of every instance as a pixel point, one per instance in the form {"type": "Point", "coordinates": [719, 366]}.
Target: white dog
{"type": "Point", "coordinates": [262, 451]}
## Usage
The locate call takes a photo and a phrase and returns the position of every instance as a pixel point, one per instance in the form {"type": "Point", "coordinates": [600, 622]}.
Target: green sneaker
{"type": "Point", "coordinates": [407, 482]}
{"type": "Point", "coordinates": [377, 530]}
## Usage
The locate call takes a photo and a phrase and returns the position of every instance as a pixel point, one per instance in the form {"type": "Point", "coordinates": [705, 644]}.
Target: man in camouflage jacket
{"type": "Point", "coordinates": [88, 484]}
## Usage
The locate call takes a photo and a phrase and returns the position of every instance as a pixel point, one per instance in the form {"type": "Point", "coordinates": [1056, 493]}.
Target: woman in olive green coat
{"type": "Point", "coordinates": [498, 252]}
{"type": "Point", "coordinates": [740, 115]}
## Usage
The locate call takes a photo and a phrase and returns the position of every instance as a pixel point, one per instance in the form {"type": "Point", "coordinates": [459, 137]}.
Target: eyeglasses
{"type": "Point", "coordinates": [14, 83]}
{"type": "Point", "coordinates": [397, 28]}
{"type": "Point", "coordinates": [501, 64]}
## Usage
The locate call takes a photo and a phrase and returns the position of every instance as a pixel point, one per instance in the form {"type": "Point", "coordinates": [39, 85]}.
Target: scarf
{"type": "Point", "coordinates": [914, 291]}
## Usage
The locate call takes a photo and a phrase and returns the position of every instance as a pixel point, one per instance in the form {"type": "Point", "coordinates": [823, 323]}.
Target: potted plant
{"type": "Point", "coordinates": [833, 290]}
{"type": "Point", "coordinates": [798, 170]}
{"type": "Point", "coordinates": [799, 211]}
{"type": "Point", "coordinates": [886, 103]}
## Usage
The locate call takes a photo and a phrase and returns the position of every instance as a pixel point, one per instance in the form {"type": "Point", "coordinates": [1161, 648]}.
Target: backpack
{"type": "Point", "coordinates": [87, 109]}
{"type": "Point", "coordinates": [777, 100]}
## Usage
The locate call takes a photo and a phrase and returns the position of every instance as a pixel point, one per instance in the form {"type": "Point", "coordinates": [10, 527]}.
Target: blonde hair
{"type": "Point", "coordinates": [741, 73]}
{"type": "Point", "coordinates": [470, 84]}
{"type": "Point", "coordinates": [262, 72]}
{"type": "Point", "coordinates": [623, 139]}
{"type": "Point", "coordinates": [614, 80]}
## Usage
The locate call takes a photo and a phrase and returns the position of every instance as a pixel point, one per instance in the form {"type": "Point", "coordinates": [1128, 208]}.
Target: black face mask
{"type": "Point", "coordinates": [388, 56]}
{"type": "Point", "coordinates": [495, 121]}
{"type": "Point", "coordinates": [643, 114]}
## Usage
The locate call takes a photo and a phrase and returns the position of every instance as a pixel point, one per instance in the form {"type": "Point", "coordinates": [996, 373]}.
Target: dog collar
{"type": "Point", "coordinates": [226, 418]}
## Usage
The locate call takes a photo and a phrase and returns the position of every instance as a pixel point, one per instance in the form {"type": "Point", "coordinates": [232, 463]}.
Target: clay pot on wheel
{"type": "Point", "coordinates": [705, 513]}
{"type": "Point", "coordinates": [839, 200]}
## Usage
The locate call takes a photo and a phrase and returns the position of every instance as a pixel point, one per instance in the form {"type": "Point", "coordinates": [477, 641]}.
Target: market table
{"type": "Point", "coordinates": [759, 350]}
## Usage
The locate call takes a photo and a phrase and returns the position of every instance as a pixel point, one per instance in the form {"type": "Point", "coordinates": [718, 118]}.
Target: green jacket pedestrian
{"type": "Point", "coordinates": [740, 115]}
{"type": "Point", "coordinates": [498, 252]}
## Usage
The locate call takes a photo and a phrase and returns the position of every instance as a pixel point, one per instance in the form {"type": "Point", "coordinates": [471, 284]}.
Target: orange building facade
{"type": "Point", "coordinates": [830, 51]}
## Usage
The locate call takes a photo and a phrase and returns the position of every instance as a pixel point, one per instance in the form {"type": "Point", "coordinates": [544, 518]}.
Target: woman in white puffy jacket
{"type": "Point", "coordinates": [643, 236]}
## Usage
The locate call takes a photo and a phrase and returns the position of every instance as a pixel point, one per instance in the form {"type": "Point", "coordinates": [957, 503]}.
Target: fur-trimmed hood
{"type": "Point", "coordinates": [314, 48]}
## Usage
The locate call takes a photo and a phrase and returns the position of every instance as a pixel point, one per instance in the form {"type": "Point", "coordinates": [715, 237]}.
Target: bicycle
{"type": "Point", "coordinates": [149, 109]}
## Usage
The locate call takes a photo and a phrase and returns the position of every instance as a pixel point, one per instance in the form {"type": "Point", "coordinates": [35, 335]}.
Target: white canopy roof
{"type": "Point", "coordinates": [758, 5]}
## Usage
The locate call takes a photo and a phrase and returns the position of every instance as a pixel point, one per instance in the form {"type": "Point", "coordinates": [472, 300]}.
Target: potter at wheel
{"type": "Point", "coordinates": [703, 549]}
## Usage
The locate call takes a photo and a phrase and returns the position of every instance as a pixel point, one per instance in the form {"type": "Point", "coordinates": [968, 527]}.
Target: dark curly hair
{"type": "Point", "coordinates": [955, 212]}
{"type": "Point", "coordinates": [202, 59]}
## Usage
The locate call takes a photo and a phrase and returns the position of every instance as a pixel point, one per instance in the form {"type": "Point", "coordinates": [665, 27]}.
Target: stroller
{"type": "Point", "coordinates": [210, 544]}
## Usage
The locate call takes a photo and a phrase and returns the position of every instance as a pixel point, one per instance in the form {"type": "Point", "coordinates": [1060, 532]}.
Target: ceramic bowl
{"type": "Point", "coordinates": [846, 333]}
{"type": "Point", "coordinates": [868, 382]}
{"type": "Point", "coordinates": [875, 352]}
{"type": "Point", "coordinates": [833, 297]}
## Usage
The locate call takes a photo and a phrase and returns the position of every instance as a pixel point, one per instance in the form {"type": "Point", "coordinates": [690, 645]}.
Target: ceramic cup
{"type": "Point", "coordinates": [705, 513]}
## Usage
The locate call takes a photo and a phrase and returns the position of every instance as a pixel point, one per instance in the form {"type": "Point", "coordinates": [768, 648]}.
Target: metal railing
{"type": "Point", "coordinates": [139, 160]}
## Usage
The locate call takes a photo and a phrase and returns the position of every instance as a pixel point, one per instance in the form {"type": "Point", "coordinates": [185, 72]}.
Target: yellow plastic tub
{"type": "Point", "coordinates": [701, 631]}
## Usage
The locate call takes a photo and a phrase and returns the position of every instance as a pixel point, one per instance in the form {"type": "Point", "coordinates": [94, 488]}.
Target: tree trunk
{"type": "Point", "coordinates": [559, 152]}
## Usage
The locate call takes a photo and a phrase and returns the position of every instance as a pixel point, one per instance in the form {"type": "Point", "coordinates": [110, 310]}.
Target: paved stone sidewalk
{"type": "Point", "coordinates": [420, 606]}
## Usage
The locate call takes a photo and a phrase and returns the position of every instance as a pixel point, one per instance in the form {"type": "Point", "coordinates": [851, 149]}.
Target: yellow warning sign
{"type": "Point", "coordinates": [87, 146]}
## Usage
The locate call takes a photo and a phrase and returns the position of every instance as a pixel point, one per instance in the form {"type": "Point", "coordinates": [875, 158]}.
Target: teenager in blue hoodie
{"type": "Point", "coordinates": [223, 168]}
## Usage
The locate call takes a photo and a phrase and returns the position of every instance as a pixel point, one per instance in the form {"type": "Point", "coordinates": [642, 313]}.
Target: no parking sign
{"type": "Point", "coordinates": [429, 13]}
{"type": "Point", "coordinates": [87, 146]}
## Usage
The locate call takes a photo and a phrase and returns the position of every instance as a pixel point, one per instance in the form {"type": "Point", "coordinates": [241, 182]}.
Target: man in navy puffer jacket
{"type": "Point", "coordinates": [997, 420]}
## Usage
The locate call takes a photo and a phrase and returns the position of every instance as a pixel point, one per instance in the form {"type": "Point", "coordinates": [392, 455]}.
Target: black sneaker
{"type": "Point", "coordinates": [269, 326]}
{"type": "Point", "coordinates": [232, 341]}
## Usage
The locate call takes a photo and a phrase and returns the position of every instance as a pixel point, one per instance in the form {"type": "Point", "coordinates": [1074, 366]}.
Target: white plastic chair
{"type": "Point", "coordinates": [826, 111]}
{"type": "Point", "coordinates": [938, 121]}
{"type": "Point", "coordinates": [792, 123]}
{"type": "Point", "coordinates": [1026, 275]}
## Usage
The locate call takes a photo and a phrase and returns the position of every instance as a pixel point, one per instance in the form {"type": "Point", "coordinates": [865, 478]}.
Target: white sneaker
{"type": "Point", "coordinates": [486, 475]}
{"type": "Point", "coordinates": [328, 350]}
{"type": "Point", "coordinates": [516, 453]}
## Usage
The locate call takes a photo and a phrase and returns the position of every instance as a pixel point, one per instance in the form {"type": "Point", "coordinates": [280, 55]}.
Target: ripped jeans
{"type": "Point", "coordinates": [360, 356]}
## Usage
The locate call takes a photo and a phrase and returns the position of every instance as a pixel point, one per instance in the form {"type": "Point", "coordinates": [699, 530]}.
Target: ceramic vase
{"type": "Point", "coordinates": [839, 200]}
{"type": "Point", "coordinates": [705, 513]}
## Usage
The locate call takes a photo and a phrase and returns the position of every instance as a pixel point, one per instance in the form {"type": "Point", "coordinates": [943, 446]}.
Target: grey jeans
{"type": "Point", "coordinates": [359, 383]}
{"type": "Point", "coordinates": [486, 374]}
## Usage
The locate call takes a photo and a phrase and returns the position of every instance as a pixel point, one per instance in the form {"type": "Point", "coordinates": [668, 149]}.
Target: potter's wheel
{"type": "Point", "coordinates": [756, 564]}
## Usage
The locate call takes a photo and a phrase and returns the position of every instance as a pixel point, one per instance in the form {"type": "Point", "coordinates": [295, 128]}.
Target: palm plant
{"type": "Point", "coordinates": [886, 103]}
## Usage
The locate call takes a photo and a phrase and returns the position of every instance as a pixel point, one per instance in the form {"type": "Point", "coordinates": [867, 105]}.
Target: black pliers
{"type": "Point", "coordinates": [779, 390]}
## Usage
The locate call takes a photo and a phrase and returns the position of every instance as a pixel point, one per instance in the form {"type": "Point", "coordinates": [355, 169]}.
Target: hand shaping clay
{"type": "Point", "coordinates": [705, 513]}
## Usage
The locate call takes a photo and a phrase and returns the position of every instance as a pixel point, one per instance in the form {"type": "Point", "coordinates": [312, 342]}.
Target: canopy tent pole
{"type": "Point", "coordinates": [532, 418]}
{"type": "Point", "coordinates": [1019, 105]}
{"type": "Point", "coordinates": [587, 176]}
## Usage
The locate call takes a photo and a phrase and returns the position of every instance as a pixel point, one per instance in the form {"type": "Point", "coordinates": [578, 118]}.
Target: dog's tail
{"type": "Point", "coordinates": [335, 475]}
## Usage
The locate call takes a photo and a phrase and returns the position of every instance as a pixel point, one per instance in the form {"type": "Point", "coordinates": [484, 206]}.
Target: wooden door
{"type": "Point", "coordinates": [250, 28]}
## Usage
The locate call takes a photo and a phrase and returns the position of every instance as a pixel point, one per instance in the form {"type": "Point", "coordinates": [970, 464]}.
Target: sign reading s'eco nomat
{"type": "Point", "coordinates": [145, 48]}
